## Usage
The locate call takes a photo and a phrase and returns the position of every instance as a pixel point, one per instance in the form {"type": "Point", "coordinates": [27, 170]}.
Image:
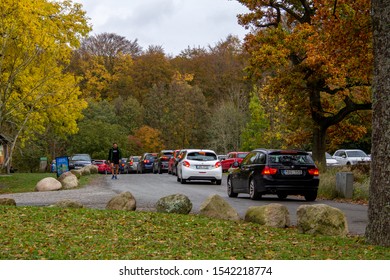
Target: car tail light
{"type": "Point", "coordinates": [269, 171]}
{"type": "Point", "coordinates": [314, 172]}
{"type": "Point", "coordinates": [218, 164]}
{"type": "Point", "coordinates": [186, 163]}
{"type": "Point", "coordinates": [146, 161]}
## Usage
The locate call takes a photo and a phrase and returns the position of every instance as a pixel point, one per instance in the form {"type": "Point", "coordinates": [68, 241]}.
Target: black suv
{"type": "Point", "coordinates": [280, 172]}
{"type": "Point", "coordinates": [161, 163]}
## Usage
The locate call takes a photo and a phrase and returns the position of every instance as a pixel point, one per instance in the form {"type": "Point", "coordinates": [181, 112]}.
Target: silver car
{"type": "Point", "coordinates": [351, 157]}
{"type": "Point", "coordinates": [132, 164]}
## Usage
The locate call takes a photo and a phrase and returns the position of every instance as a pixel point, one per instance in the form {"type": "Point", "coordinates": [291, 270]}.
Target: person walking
{"type": "Point", "coordinates": [114, 156]}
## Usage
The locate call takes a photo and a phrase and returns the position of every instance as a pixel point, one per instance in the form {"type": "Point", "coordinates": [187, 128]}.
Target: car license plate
{"type": "Point", "coordinates": [202, 167]}
{"type": "Point", "coordinates": [292, 172]}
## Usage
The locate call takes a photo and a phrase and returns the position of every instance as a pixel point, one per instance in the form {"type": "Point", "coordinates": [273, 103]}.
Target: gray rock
{"type": "Point", "coordinates": [321, 219]}
{"type": "Point", "coordinates": [7, 201]}
{"type": "Point", "coordinates": [67, 203]}
{"type": "Point", "coordinates": [85, 171]}
{"type": "Point", "coordinates": [123, 201]}
{"type": "Point", "coordinates": [48, 184]}
{"type": "Point", "coordinates": [76, 172]}
{"type": "Point", "coordinates": [176, 203]}
{"type": "Point", "coordinates": [216, 207]}
{"type": "Point", "coordinates": [68, 180]}
{"type": "Point", "coordinates": [272, 215]}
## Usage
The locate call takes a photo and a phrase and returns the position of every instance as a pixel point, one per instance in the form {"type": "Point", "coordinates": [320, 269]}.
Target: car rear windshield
{"type": "Point", "coordinates": [136, 159]}
{"type": "Point", "coordinates": [150, 156]}
{"type": "Point", "coordinates": [201, 156]}
{"type": "Point", "coordinates": [81, 157]}
{"type": "Point", "coordinates": [290, 159]}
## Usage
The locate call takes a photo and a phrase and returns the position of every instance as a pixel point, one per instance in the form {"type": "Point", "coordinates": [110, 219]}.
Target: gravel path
{"type": "Point", "coordinates": [95, 195]}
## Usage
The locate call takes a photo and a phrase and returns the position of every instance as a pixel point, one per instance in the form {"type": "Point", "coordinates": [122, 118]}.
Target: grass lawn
{"type": "Point", "coordinates": [78, 234]}
{"type": "Point", "coordinates": [25, 182]}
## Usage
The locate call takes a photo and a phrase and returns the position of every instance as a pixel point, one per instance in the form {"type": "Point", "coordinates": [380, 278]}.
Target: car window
{"type": "Point", "coordinates": [288, 159]}
{"type": "Point", "coordinates": [356, 154]}
{"type": "Point", "coordinates": [202, 156]}
{"type": "Point", "coordinates": [248, 159]}
{"type": "Point", "coordinates": [231, 156]}
{"type": "Point", "coordinates": [261, 158]}
{"type": "Point", "coordinates": [241, 155]}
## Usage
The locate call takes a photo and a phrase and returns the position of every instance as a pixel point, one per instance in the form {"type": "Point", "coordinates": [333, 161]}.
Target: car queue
{"type": "Point", "coordinates": [259, 172]}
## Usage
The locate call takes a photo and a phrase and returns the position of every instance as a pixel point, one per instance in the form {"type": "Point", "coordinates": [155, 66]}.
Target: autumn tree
{"type": "Point", "coordinates": [317, 56]}
{"type": "Point", "coordinates": [37, 38]}
{"type": "Point", "coordinates": [105, 63]}
{"type": "Point", "coordinates": [147, 139]}
{"type": "Point", "coordinates": [378, 228]}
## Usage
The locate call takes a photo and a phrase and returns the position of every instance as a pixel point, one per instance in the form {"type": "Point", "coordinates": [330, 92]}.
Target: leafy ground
{"type": "Point", "coordinates": [78, 234]}
{"type": "Point", "coordinates": [25, 182]}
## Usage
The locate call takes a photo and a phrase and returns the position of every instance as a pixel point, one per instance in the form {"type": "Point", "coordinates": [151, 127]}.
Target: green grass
{"type": "Point", "coordinates": [25, 182]}
{"type": "Point", "coordinates": [57, 233]}
{"type": "Point", "coordinates": [327, 187]}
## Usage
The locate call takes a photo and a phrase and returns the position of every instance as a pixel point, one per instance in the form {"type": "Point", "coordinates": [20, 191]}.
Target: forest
{"type": "Point", "coordinates": [301, 79]}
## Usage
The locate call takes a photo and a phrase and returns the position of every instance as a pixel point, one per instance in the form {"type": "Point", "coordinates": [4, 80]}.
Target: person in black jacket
{"type": "Point", "coordinates": [114, 157]}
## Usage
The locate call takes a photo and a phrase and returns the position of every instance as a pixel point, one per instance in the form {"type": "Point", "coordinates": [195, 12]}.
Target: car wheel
{"type": "Point", "coordinates": [282, 195]}
{"type": "Point", "coordinates": [230, 191]}
{"type": "Point", "coordinates": [311, 196]}
{"type": "Point", "coordinates": [218, 182]}
{"type": "Point", "coordinates": [183, 181]}
{"type": "Point", "coordinates": [254, 195]}
{"type": "Point", "coordinates": [154, 171]}
{"type": "Point", "coordinates": [159, 170]}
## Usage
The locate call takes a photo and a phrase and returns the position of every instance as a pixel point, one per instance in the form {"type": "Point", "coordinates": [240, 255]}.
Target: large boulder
{"type": "Point", "coordinates": [123, 201]}
{"type": "Point", "coordinates": [7, 201]}
{"type": "Point", "coordinates": [85, 171]}
{"type": "Point", "coordinates": [48, 184]}
{"type": "Point", "coordinates": [68, 180]}
{"type": "Point", "coordinates": [94, 169]}
{"type": "Point", "coordinates": [176, 203]}
{"type": "Point", "coordinates": [67, 203]}
{"type": "Point", "coordinates": [216, 207]}
{"type": "Point", "coordinates": [272, 215]}
{"type": "Point", "coordinates": [321, 219]}
{"type": "Point", "coordinates": [76, 172]}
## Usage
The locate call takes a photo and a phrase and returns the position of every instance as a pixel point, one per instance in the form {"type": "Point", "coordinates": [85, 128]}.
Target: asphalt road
{"type": "Point", "coordinates": [148, 188]}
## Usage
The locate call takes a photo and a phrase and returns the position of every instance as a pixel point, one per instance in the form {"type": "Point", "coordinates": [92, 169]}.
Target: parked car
{"type": "Point", "coordinates": [280, 172]}
{"type": "Point", "coordinates": [132, 163]}
{"type": "Point", "coordinates": [351, 157]}
{"type": "Point", "coordinates": [161, 163]}
{"type": "Point", "coordinates": [78, 161]}
{"type": "Point", "coordinates": [123, 166]}
{"type": "Point", "coordinates": [146, 162]}
{"type": "Point", "coordinates": [172, 163]}
{"type": "Point", "coordinates": [103, 166]}
{"type": "Point", "coordinates": [330, 161]}
{"type": "Point", "coordinates": [196, 164]}
{"type": "Point", "coordinates": [222, 157]}
{"type": "Point", "coordinates": [232, 157]}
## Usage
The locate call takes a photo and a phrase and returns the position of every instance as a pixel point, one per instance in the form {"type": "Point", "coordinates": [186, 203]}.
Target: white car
{"type": "Point", "coordinates": [199, 165]}
{"type": "Point", "coordinates": [351, 157]}
{"type": "Point", "coordinates": [330, 161]}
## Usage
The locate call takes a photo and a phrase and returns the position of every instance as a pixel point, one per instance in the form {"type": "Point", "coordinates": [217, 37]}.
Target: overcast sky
{"type": "Point", "coordinates": [172, 24]}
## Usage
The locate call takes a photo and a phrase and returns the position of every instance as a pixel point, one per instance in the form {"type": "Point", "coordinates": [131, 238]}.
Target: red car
{"type": "Point", "coordinates": [172, 162]}
{"type": "Point", "coordinates": [232, 157]}
{"type": "Point", "coordinates": [103, 166]}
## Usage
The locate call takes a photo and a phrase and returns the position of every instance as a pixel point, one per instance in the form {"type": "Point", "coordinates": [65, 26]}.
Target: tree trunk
{"type": "Point", "coordinates": [378, 228]}
{"type": "Point", "coordinates": [319, 146]}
